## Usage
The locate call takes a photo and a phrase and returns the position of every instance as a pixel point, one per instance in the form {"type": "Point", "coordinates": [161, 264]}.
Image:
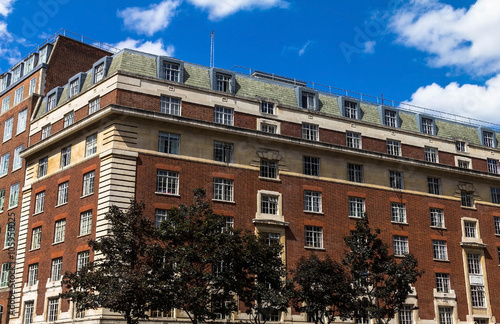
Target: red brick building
{"type": "Point", "coordinates": [298, 163]}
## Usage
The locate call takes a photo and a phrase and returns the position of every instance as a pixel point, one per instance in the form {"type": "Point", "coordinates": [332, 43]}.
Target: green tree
{"type": "Point", "coordinates": [206, 256]}
{"type": "Point", "coordinates": [323, 289]}
{"type": "Point", "coordinates": [266, 292]}
{"type": "Point", "coordinates": [380, 282]}
{"type": "Point", "coordinates": [121, 278]}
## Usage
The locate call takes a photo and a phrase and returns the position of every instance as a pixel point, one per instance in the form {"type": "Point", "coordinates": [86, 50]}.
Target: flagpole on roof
{"type": "Point", "coordinates": [212, 49]}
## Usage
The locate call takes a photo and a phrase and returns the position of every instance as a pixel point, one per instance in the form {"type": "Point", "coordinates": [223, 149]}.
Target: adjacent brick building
{"type": "Point", "coordinates": [276, 155]}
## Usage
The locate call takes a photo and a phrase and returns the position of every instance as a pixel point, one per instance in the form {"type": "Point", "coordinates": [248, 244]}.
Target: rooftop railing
{"type": "Point", "coordinates": [403, 106]}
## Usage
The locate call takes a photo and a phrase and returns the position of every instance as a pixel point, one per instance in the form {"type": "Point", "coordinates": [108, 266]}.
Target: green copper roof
{"type": "Point", "coordinates": [452, 131]}
{"type": "Point", "coordinates": [369, 113]}
{"type": "Point", "coordinates": [329, 105]}
{"type": "Point", "coordinates": [408, 121]}
{"type": "Point", "coordinates": [253, 88]}
{"type": "Point", "coordinates": [196, 76]}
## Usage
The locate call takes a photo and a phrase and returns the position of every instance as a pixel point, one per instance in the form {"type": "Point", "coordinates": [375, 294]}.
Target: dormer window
{"type": "Point", "coordinates": [51, 102]}
{"type": "Point", "coordinates": [307, 98]}
{"type": "Point", "coordinates": [350, 109]}
{"type": "Point", "coordinates": [172, 71]}
{"type": "Point", "coordinates": [44, 54]}
{"type": "Point", "coordinates": [99, 73]}
{"type": "Point", "coordinates": [267, 107]}
{"type": "Point", "coordinates": [390, 118]}
{"type": "Point", "coordinates": [17, 72]}
{"type": "Point", "coordinates": [30, 63]}
{"type": "Point", "coordinates": [100, 69]}
{"type": "Point", "coordinates": [5, 82]}
{"type": "Point", "coordinates": [223, 82]}
{"type": "Point", "coordinates": [74, 87]}
{"type": "Point", "coordinates": [488, 139]}
{"type": "Point", "coordinates": [427, 126]}
{"type": "Point", "coordinates": [53, 97]}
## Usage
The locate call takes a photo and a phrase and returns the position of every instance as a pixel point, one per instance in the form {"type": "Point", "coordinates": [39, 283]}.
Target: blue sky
{"type": "Point", "coordinates": [443, 55]}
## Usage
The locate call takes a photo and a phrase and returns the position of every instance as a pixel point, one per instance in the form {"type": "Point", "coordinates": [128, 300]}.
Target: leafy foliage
{"type": "Point", "coordinates": [323, 290]}
{"type": "Point", "coordinates": [121, 276]}
{"type": "Point", "coordinates": [206, 257]}
{"type": "Point", "coordinates": [265, 291]}
{"type": "Point", "coordinates": [380, 282]}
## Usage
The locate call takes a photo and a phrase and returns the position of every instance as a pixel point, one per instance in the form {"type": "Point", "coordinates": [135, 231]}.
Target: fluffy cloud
{"type": "Point", "coordinates": [473, 101]}
{"type": "Point", "coordinates": [156, 47]}
{"type": "Point", "coordinates": [466, 38]}
{"type": "Point", "coordinates": [6, 7]}
{"type": "Point", "coordinates": [218, 9]}
{"type": "Point", "coordinates": [149, 20]}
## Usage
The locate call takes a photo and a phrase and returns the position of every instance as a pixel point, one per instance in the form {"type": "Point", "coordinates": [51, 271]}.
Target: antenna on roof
{"type": "Point", "coordinates": [212, 49]}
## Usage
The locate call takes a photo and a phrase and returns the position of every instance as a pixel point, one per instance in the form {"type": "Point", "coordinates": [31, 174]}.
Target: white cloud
{"type": "Point", "coordinates": [156, 47]}
{"type": "Point", "coordinates": [474, 101]}
{"type": "Point", "coordinates": [6, 7]}
{"type": "Point", "coordinates": [218, 9]}
{"type": "Point", "coordinates": [303, 49]}
{"type": "Point", "coordinates": [369, 47]}
{"type": "Point", "coordinates": [148, 21]}
{"type": "Point", "coordinates": [466, 38]}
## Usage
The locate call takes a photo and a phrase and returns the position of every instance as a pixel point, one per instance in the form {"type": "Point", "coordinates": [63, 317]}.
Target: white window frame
{"type": "Point", "coordinates": [492, 165]}
{"type": "Point", "coordinates": [17, 162]}
{"type": "Point", "coordinates": [46, 131]}
{"type": "Point", "coordinates": [431, 154]}
{"type": "Point", "coordinates": [223, 82]}
{"type": "Point", "coordinates": [170, 105]}
{"type": "Point", "coordinates": [74, 87]}
{"type": "Point", "coordinates": [99, 72]}
{"type": "Point", "coordinates": [18, 95]}
{"type": "Point", "coordinates": [2, 199]}
{"type": "Point", "coordinates": [474, 264]}
{"type": "Point", "coordinates": [22, 118]}
{"type": "Point", "coordinates": [310, 132]}
{"type": "Point", "coordinates": [314, 237]}
{"type": "Point", "coordinates": [161, 215]}
{"type": "Point", "coordinates": [393, 147]}
{"type": "Point", "coordinates": [427, 126]}
{"type": "Point", "coordinates": [223, 189]}
{"type": "Point", "coordinates": [445, 315]}
{"type": "Point", "coordinates": [62, 193]}
{"type": "Point", "coordinates": [94, 105]}
{"type": "Point", "coordinates": [39, 202]}
{"type": "Point", "coordinates": [65, 156]}
{"type": "Point", "coordinates": [69, 119]}
{"type": "Point", "coordinates": [443, 282]}
{"type": "Point", "coordinates": [353, 140]}
{"type": "Point", "coordinates": [4, 164]}
{"type": "Point", "coordinates": [32, 88]}
{"type": "Point", "coordinates": [32, 274]}
{"type": "Point", "coordinates": [390, 118]}
{"type": "Point", "coordinates": [36, 238]}
{"type": "Point", "coordinates": [51, 101]}
{"type": "Point", "coordinates": [29, 308]}
{"type": "Point", "coordinates": [10, 235]}
{"type": "Point", "coordinates": [268, 128]}
{"type": "Point", "coordinates": [461, 146]}
{"type": "Point", "coordinates": [88, 183]}
{"type": "Point", "coordinates": [5, 104]}
{"type": "Point", "coordinates": [14, 195]}
{"type": "Point", "coordinates": [223, 115]}
{"type": "Point", "coordinates": [43, 165]}
{"type": "Point", "coordinates": [496, 223]}
{"type": "Point", "coordinates": [167, 182]}
{"type": "Point", "coordinates": [4, 281]}
{"type": "Point", "coordinates": [8, 128]}
{"type": "Point", "coordinates": [172, 71]}
{"type": "Point", "coordinates": [400, 245]}
{"type": "Point", "coordinates": [478, 296]}
{"type": "Point", "coordinates": [267, 107]}
{"type": "Point", "coordinates": [488, 139]}
{"type": "Point", "coordinates": [56, 269]}
{"type": "Point", "coordinates": [405, 315]}
{"type": "Point", "coordinates": [169, 143]}
{"type": "Point", "coordinates": [269, 204]}
{"type": "Point", "coordinates": [467, 199]}
{"type": "Point", "coordinates": [308, 100]}
{"type": "Point", "coordinates": [82, 260]}
{"type": "Point", "coordinates": [52, 309]}
{"type": "Point", "coordinates": [439, 250]}
{"type": "Point", "coordinates": [85, 223]}
{"type": "Point", "coordinates": [470, 229]}
{"type": "Point", "coordinates": [312, 201]}
{"type": "Point", "coordinates": [437, 217]}
{"type": "Point", "coordinates": [91, 145]}
{"type": "Point", "coordinates": [356, 207]}
{"type": "Point", "coordinates": [398, 213]}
